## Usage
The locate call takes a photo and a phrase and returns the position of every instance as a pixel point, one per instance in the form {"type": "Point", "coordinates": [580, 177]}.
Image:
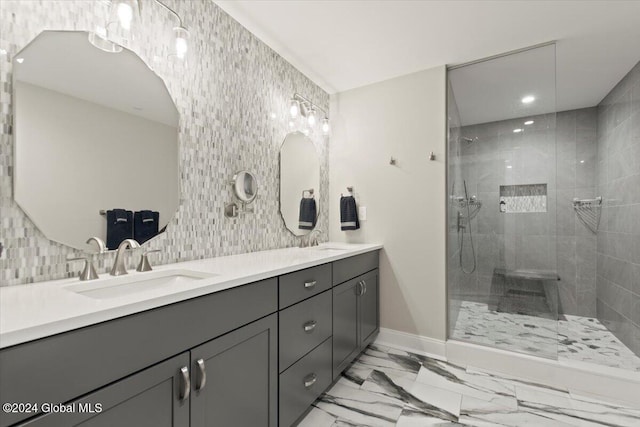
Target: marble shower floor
{"type": "Point", "coordinates": [390, 387]}
{"type": "Point", "coordinates": [576, 338]}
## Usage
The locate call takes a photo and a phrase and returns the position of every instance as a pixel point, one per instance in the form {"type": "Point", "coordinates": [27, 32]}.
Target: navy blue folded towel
{"type": "Point", "coordinates": [145, 225]}
{"type": "Point", "coordinates": [119, 227]}
{"type": "Point", "coordinates": [308, 214]}
{"type": "Point", "coordinates": [348, 213]}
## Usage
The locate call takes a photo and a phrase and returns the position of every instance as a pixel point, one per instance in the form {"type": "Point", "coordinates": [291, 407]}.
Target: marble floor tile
{"type": "Point", "coordinates": [385, 387]}
{"type": "Point", "coordinates": [347, 404]}
{"type": "Point", "coordinates": [576, 412]}
{"type": "Point", "coordinates": [317, 418]}
{"type": "Point", "coordinates": [579, 338]}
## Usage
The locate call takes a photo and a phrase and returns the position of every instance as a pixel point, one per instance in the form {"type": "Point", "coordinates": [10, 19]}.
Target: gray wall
{"type": "Point", "coordinates": [618, 246]}
{"type": "Point", "coordinates": [529, 240]}
{"type": "Point", "coordinates": [225, 96]}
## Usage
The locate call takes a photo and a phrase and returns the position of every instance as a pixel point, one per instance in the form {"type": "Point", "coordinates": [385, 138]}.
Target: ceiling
{"type": "Point", "coordinates": [343, 45]}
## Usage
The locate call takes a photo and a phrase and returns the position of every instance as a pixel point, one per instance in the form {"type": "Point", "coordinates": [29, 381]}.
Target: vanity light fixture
{"type": "Point", "coordinates": [325, 126]}
{"type": "Point", "coordinates": [303, 106]}
{"type": "Point", "coordinates": [529, 122]}
{"type": "Point", "coordinates": [517, 130]}
{"type": "Point", "coordinates": [124, 14]}
{"type": "Point", "coordinates": [311, 117]}
{"type": "Point", "coordinates": [294, 108]}
{"type": "Point", "coordinates": [180, 33]}
{"type": "Point", "coordinates": [19, 60]}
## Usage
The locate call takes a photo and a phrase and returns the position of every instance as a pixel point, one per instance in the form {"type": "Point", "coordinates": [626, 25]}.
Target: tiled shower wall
{"type": "Point", "coordinates": [232, 96]}
{"type": "Point", "coordinates": [554, 240]}
{"type": "Point", "coordinates": [618, 247]}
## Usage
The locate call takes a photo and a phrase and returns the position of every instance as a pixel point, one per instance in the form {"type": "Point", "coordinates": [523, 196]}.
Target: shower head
{"type": "Point", "coordinates": [469, 140]}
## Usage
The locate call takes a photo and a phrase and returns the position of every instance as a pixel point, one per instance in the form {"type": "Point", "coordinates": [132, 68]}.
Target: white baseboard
{"type": "Point", "coordinates": [413, 343]}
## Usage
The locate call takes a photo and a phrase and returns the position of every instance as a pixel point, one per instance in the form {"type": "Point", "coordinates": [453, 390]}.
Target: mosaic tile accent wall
{"type": "Point", "coordinates": [232, 96]}
{"type": "Point", "coordinates": [523, 198]}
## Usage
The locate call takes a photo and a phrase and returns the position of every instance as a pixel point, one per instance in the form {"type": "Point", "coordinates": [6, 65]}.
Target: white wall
{"type": "Point", "coordinates": [404, 118]}
{"type": "Point", "coordinates": [125, 161]}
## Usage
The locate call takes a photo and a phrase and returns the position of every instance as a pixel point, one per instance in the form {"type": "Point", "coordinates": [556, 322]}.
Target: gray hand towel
{"type": "Point", "coordinates": [348, 213]}
{"type": "Point", "coordinates": [308, 214]}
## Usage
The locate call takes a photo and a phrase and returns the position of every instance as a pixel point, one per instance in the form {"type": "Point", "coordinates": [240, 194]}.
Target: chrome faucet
{"type": "Point", "coordinates": [311, 239]}
{"type": "Point", "coordinates": [119, 268]}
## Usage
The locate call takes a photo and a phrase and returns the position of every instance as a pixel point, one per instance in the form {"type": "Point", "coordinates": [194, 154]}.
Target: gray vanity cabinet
{"type": "Point", "coordinates": [356, 319]}
{"type": "Point", "coordinates": [155, 397]}
{"type": "Point", "coordinates": [234, 378]}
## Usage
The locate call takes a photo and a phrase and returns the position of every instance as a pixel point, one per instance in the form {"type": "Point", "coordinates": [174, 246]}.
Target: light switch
{"type": "Point", "coordinates": [362, 213]}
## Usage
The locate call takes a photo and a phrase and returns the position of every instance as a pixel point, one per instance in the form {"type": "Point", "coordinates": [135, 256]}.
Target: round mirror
{"type": "Point", "coordinates": [299, 183]}
{"type": "Point", "coordinates": [96, 142]}
{"type": "Point", "coordinates": [245, 186]}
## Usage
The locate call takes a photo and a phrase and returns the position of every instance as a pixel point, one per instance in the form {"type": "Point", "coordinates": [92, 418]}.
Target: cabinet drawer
{"type": "Point", "coordinates": [303, 326]}
{"type": "Point", "coordinates": [302, 383]}
{"type": "Point", "coordinates": [303, 284]}
{"type": "Point", "coordinates": [349, 268]}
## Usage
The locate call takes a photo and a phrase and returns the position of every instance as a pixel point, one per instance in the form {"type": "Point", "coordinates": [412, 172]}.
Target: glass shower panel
{"type": "Point", "coordinates": [502, 271]}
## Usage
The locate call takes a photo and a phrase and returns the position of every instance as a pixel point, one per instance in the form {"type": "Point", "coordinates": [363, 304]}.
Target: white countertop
{"type": "Point", "coordinates": [29, 312]}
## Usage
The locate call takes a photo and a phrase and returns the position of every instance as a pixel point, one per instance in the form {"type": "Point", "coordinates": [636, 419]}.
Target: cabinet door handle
{"type": "Point", "coordinates": [310, 380]}
{"type": "Point", "coordinates": [202, 375]}
{"type": "Point", "coordinates": [364, 287]}
{"type": "Point", "coordinates": [359, 288]}
{"type": "Point", "coordinates": [309, 285]}
{"type": "Point", "coordinates": [310, 326]}
{"type": "Point", "coordinates": [186, 384]}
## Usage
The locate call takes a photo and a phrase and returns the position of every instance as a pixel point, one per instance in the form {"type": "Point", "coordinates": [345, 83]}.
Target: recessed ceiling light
{"type": "Point", "coordinates": [509, 167]}
{"type": "Point", "coordinates": [3, 52]}
{"type": "Point", "coordinates": [528, 99]}
{"type": "Point", "coordinates": [581, 161]}
{"type": "Point", "coordinates": [19, 60]}
{"type": "Point", "coordinates": [517, 130]}
{"type": "Point", "coordinates": [529, 122]}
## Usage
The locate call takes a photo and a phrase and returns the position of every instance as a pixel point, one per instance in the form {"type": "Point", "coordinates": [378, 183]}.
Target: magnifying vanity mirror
{"type": "Point", "coordinates": [299, 183]}
{"type": "Point", "coordinates": [95, 133]}
{"type": "Point", "coordinates": [245, 186]}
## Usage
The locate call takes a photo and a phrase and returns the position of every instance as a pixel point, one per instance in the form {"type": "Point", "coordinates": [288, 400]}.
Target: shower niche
{"type": "Point", "coordinates": [529, 198]}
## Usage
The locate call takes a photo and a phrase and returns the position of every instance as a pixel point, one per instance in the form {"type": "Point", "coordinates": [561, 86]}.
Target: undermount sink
{"type": "Point", "coordinates": [134, 283]}
{"type": "Point", "coordinates": [327, 248]}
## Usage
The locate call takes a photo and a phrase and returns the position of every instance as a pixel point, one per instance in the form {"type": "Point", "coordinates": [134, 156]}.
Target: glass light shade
{"type": "Point", "coordinates": [311, 117]}
{"type": "Point", "coordinates": [294, 108]}
{"type": "Point", "coordinates": [325, 126]}
{"type": "Point", "coordinates": [99, 39]}
{"type": "Point", "coordinates": [182, 41]}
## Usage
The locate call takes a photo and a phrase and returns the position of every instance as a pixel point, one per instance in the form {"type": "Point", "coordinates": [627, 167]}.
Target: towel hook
{"type": "Point", "coordinates": [350, 190]}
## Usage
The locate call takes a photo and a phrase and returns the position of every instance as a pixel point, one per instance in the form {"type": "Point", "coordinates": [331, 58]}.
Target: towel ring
{"type": "Point", "coordinates": [310, 191]}
{"type": "Point", "coordinates": [350, 190]}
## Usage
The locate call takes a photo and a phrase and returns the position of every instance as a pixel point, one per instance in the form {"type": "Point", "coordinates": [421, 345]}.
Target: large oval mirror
{"type": "Point", "coordinates": [299, 183]}
{"type": "Point", "coordinates": [96, 142]}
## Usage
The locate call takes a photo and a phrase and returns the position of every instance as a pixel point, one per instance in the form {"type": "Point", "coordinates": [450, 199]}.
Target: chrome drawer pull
{"type": "Point", "coordinates": [202, 377]}
{"type": "Point", "coordinates": [364, 284]}
{"type": "Point", "coordinates": [186, 384]}
{"type": "Point", "coordinates": [310, 380]}
{"type": "Point", "coordinates": [310, 326]}
{"type": "Point", "coordinates": [309, 285]}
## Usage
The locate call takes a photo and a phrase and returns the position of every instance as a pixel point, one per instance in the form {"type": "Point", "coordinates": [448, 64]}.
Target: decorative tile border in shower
{"type": "Point", "coordinates": [523, 198]}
